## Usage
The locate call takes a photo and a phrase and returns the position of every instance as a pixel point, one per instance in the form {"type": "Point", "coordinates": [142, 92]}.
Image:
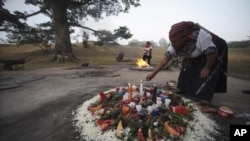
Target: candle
{"type": "Point", "coordinates": [102, 97]}
{"type": "Point", "coordinates": [141, 88]}
{"type": "Point", "coordinates": [158, 102]}
{"type": "Point", "coordinates": [167, 102]}
{"type": "Point", "coordinates": [145, 96]}
{"type": "Point", "coordinates": [125, 96]}
{"type": "Point", "coordinates": [120, 91]}
{"type": "Point", "coordinates": [129, 92]}
{"type": "Point", "coordinates": [138, 108]}
{"type": "Point", "coordinates": [155, 112]}
{"type": "Point", "coordinates": [133, 88]}
{"type": "Point", "coordinates": [154, 94]}
{"type": "Point", "coordinates": [125, 110]}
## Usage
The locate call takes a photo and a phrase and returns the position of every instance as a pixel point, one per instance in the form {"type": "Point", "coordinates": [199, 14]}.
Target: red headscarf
{"type": "Point", "coordinates": [181, 29]}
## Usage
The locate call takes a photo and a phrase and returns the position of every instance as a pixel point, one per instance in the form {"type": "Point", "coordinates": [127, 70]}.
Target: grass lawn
{"type": "Point", "coordinates": [239, 62]}
{"type": "Point", "coordinates": [238, 58]}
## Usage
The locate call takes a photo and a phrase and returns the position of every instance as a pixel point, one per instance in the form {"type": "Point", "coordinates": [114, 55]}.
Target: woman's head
{"type": "Point", "coordinates": [179, 32]}
{"type": "Point", "coordinates": [178, 42]}
{"type": "Point", "coordinates": [148, 44]}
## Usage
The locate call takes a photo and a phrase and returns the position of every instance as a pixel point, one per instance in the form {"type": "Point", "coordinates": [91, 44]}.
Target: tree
{"type": "Point", "coordinates": [68, 13]}
{"type": "Point", "coordinates": [153, 43]}
{"type": "Point", "coordinates": [7, 16]}
{"type": "Point", "coordinates": [163, 42]}
{"type": "Point", "coordinates": [134, 42]}
{"type": "Point", "coordinates": [122, 32]}
{"type": "Point", "coordinates": [239, 44]}
{"type": "Point", "coordinates": [85, 38]}
{"type": "Point", "coordinates": [105, 36]}
{"type": "Point", "coordinates": [42, 36]}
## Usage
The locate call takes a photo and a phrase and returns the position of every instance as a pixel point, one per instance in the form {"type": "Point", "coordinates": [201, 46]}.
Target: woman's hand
{"type": "Point", "coordinates": [149, 77]}
{"type": "Point", "coordinates": [204, 73]}
{"type": "Point", "coordinates": [211, 58]}
{"type": "Point", "coordinates": [157, 68]}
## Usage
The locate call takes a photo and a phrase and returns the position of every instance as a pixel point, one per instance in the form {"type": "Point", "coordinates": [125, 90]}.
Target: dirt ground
{"type": "Point", "coordinates": [37, 104]}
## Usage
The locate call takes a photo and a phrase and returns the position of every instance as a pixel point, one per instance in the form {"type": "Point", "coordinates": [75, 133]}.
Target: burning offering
{"type": "Point", "coordinates": [143, 114]}
{"type": "Point", "coordinates": [142, 65]}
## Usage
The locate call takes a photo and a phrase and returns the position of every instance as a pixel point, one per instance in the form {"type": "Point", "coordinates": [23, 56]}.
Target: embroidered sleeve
{"type": "Point", "coordinates": [170, 52]}
{"type": "Point", "coordinates": [205, 41]}
{"type": "Point", "coordinates": [209, 50]}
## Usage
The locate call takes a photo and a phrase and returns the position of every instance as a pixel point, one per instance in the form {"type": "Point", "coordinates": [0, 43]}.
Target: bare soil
{"type": "Point", "coordinates": [37, 104]}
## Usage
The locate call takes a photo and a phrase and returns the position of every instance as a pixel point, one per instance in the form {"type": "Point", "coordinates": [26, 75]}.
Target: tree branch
{"type": "Point", "coordinates": [78, 4]}
{"type": "Point", "coordinates": [97, 33]}
{"type": "Point", "coordinates": [35, 13]}
{"type": "Point", "coordinates": [6, 16]}
{"type": "Point", "coordinates": [78, 25]}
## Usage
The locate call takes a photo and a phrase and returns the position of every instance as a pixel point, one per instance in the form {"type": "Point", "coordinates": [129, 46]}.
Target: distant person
{"type": "Point", "coordinates": [203, 60]}
{"type": "Point", "coordinates": [120, 57]}
{"type": "Point", "coordinates": [147, 55]}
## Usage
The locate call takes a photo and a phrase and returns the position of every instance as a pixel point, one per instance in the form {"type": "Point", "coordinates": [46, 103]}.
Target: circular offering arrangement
{"type": "Point", "coordinates": [143, 114]}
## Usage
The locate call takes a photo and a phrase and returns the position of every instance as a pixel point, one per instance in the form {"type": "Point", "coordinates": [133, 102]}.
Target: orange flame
{"type": "Point", "coordinates": [141, 63]}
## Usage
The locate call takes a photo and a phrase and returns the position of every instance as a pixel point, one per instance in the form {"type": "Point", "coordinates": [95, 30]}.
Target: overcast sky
{"type": "Point", "coordinates": [229, 19]}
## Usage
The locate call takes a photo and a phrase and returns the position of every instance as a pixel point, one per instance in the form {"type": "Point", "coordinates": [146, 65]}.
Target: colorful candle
{"type": "Point", "coordinates": [154, 94]}
{"type": "Point", "coordinates": [133, 88]}
{"type": "Point", "coordinates": [120, 92]}
{"type": "Point", "coordinates": [129, 92]}
{"type": "Point", "coordinates": [125, 110]}
{"type": "Point", "coordinates": [141, 88]}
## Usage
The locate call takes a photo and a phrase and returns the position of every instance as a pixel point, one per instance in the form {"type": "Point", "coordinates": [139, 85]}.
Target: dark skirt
{"type": "Point", "coordinates": [191, 84]}
{"type": "Point", "coordinates": [145, 56]}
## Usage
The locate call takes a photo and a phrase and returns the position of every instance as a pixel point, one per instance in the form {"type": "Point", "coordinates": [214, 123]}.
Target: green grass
{"type": "Point", "coordinates": [238, 58]}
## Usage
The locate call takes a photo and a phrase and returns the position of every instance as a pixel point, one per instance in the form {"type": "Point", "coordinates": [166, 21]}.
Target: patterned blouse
{"type": "Point", "coordinates": [203, 45]}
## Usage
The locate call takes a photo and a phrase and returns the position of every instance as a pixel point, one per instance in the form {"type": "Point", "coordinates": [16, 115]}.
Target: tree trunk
{"type": "Point", "coordinates": [63, 45]}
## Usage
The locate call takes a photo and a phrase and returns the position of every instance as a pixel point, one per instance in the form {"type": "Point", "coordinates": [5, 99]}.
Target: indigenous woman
{"type": "Point", "coordinates": [203, 57]}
